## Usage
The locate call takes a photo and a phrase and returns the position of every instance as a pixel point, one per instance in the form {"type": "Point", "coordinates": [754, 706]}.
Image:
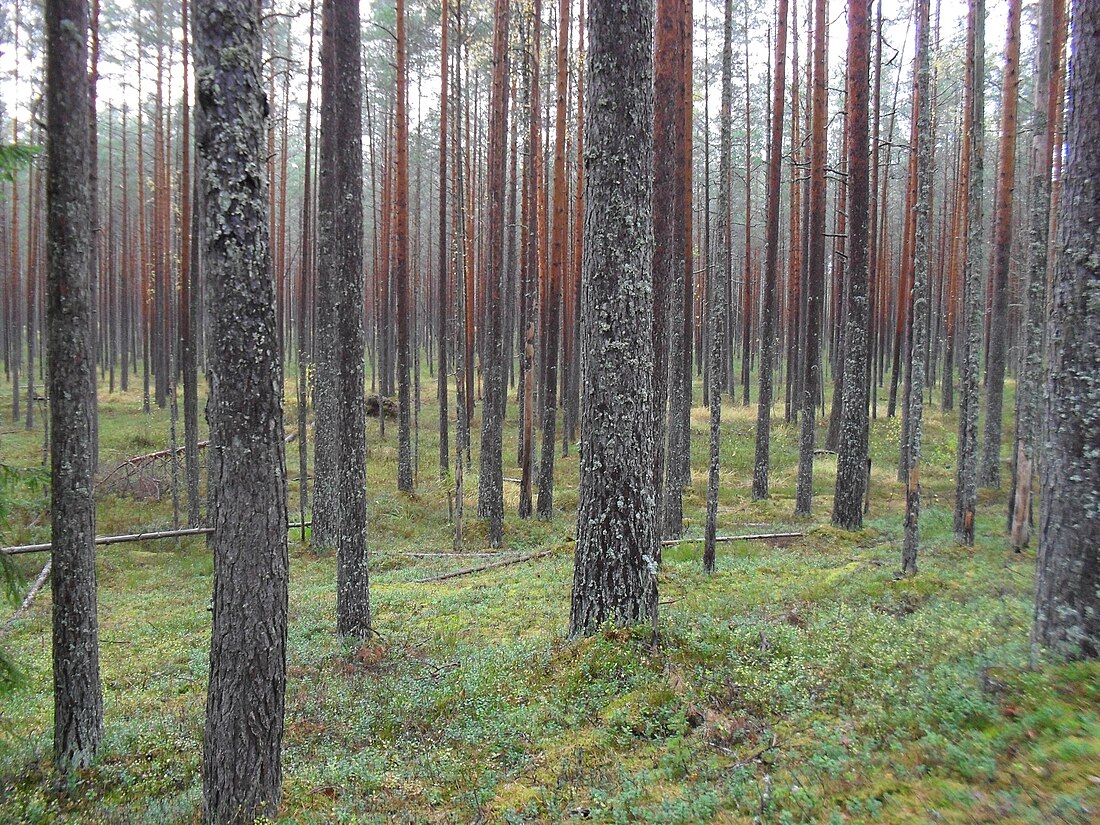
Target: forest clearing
{"type": "Point", "coordinates": [798, 683]}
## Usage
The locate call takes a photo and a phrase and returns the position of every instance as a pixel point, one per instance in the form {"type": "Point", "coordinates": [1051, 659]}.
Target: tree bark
{"type": "Point", "coordinates": [490, 494]}
{"type": "Point", "coordinates": [989, 470]}
{"type": "Point", "coordinates": [1029, 381]}
{"type": "Point", "coordinates": [78, 697]}
{"type": "Point", "coordinates": [966, 487]}
{"type": "Point", "coordinates": [1067, 600]}
{"type": "Point", "coordinates": [815, 274]}
{"type": "Point", "coordinates": [244, 710]}
{"type": "Point", "coordinates": [851, 471]}
{"type": "Point", "coordinates": [762, 463]}
{"type": "Point", "coordinates": [615, 569]}
{"type": "Point", "coordinates": [919, 302]}
{"type": "Point", "coordinates": [716, 284]}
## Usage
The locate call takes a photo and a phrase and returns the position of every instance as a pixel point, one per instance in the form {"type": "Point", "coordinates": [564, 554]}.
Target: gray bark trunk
{"type": "Point", "coordinates": [615, 569]}
{"type": "Point", "coordinates": [244, 709]}
{"type": "Point", "coordinates": [1067, 600]}
{"type": "Point", "coordinates": [716, 286]}
{"type": "Point", "coordinates": [921, 255]}
{"type": "Point", "coordinates": [78, 698]}
{"type": "Point", "coordinates": [966, 487]}
{"type": "Point", "coordinates": [340, 414]}
{"type": "Point", "coordinates": [1029, 379]}
{"type": "Point", "coordinates": [851, 471]}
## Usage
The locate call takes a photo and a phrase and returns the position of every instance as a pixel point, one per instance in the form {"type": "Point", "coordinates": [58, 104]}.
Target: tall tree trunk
{"type": "Point", "coordinates": [1029, 379]}
{"type": "Point", "coordinates": [667, 138]}
{"type": "Point", "coordinates": [615, 568]}
{"type": "Point", "coordinates": [966, 487]}
{"type": "Point", "coordinates": [78, 697]}
{"type": "Point", "coordinates": [242, 771]}
{"type": "Point", "coordinates": [989, 470]}
{"type": "Point", "coordinates": [921, 256]}
{"type": "Point", "coordinates": [556, 276]}
{"type": "Point", "coordinates": [762, 462]}
{"type": "Point", "coordinates": [189, 315]}
{"type": "Point", "coordinates": [1067, 600]}
{"type": "Point", "coordinates": [716, 286]}
{"type": "Point", "coordinates": [402, 276]}
{"type": "Point", "coordinates": [444, 258]}
{"type": "Point", "coordinates": [851, 473]}
{"type": "Point", "coordinates": [490, 494]}
{"type": "Point", "coordinates": [340, 414]}
{"type": "Point", "coordinates": [815, 274]}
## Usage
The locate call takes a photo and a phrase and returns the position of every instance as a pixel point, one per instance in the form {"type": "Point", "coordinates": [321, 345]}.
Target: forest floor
{"type": "Point", "coordinates": [802, 682]}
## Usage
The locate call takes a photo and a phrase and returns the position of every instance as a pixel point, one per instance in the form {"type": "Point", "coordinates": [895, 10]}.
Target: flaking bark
{"type": "Point", "coordinates": [615, 568]}
{"type": "Point", "coordinates": [241, 769]}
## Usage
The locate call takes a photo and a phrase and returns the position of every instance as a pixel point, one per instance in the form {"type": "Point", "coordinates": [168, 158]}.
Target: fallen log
{"type": "Point", "coordinates": [481, 567]}
{"type": "Point", "coordinates": [27, 601]}
{"type": "Point", "coordinates": [149, 536]}
{"type": "Point", "coordinates": [750, 537]}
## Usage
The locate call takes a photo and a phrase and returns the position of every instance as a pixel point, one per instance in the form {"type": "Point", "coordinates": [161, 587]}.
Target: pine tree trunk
{"type": "Point", "coordinates": [444, 258]}
{"type": "Point", "coordinates": [553, 305]}
{"type": "Point", "coordinates": [717, 285]}
{"type": "Point", "coordinates": [762, 463]}
{"type": "Point", "coordinates": [402, 273]}
{"type": "Point", "coordinates": [490, 494]}
{"type": "Point", "coordinates": [989, 470]}
{"type": "Point", "coordinates": [815, 280]}
{"type": "Point", "coordinates": [851, 472]}
{"type": "Point", "coordinates": [966, 487]}
{"type": "Point", "coordinates": [244, 710]}
{"type": "Point", "coordinates": [1029, 380]}
{"type": "Point", "coordinates": [615, 569]}
{"type": "Point", "coordinates": [78, 697]}
{"type": "Point", "coordinates": [919, 302]}
{"type": "Point", "coordinates": [1067, 600]}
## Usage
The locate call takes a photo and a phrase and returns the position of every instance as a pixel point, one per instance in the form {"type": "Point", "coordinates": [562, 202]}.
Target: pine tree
{"type": "Point", "coordinates": [241, 770]}
{"type": "Point", "coordinates": [78, 696]}
{"type": "Point", "coordinates": [615, 568]}
{"type": "Point", "coordinates": [1067, 599]}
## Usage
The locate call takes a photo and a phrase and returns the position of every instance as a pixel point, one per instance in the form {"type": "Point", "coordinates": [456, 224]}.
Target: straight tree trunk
{"type": "Point", "coordinates": [1067, 599]}
{"type": "Point", "coordinates": [815, 280]}
{"type": "Point", "coordinates": [615, 567]}
{"type": "Point", "coordinates": [241, 771]}
{"type": "Point", "coordinates": [717, 285]}
{"type": "Point", "coordinates": [919, 303]}
{"type": "Point", "coordinates": [762, 463]}
{"type": "Point", "coordinates": [402, 275]}
{"type": "Point", "coordinates": [1028, 396]}
{"type": "Point", "coordinates": [966, 487]}
{"type": "Point", "coordinates": [78, 696]}
{"type": "Point", "coordinates": [556, 276]}
{"type": "Point", "coordinates": [490, 494]}
{"type": "Point", "coordinates": [443, 263]}
{"type": "Point", "coordinates": [667, 138]}
{"type": "Point", "coordinates": [851, 473]}
{"type": "Point", "coordinates": [989, 470]}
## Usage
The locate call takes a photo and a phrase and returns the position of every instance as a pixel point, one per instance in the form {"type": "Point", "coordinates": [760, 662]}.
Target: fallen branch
{"type": "Point", "coordinates": [750, 537]}
{"type": "Point", "coordinates": [28, 600]}
{"type": "Point", "coordinates": [459, 555]}
{"type": "Point", "coordinates": [479, 568]}
{"type": "Point", "coordinates": [150, 536]}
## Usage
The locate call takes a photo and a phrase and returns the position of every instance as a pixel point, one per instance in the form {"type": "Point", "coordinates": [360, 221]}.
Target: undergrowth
{"type": "Point", "coordinates": [800, 683]}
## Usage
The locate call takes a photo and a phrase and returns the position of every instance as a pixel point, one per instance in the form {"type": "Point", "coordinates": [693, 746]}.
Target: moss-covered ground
{"type": "Point", "coordinates": [802, 682]}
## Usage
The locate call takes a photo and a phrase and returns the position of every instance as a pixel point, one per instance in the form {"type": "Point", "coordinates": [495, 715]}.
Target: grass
{"type": "Point", "coordinates": [800, 683]}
